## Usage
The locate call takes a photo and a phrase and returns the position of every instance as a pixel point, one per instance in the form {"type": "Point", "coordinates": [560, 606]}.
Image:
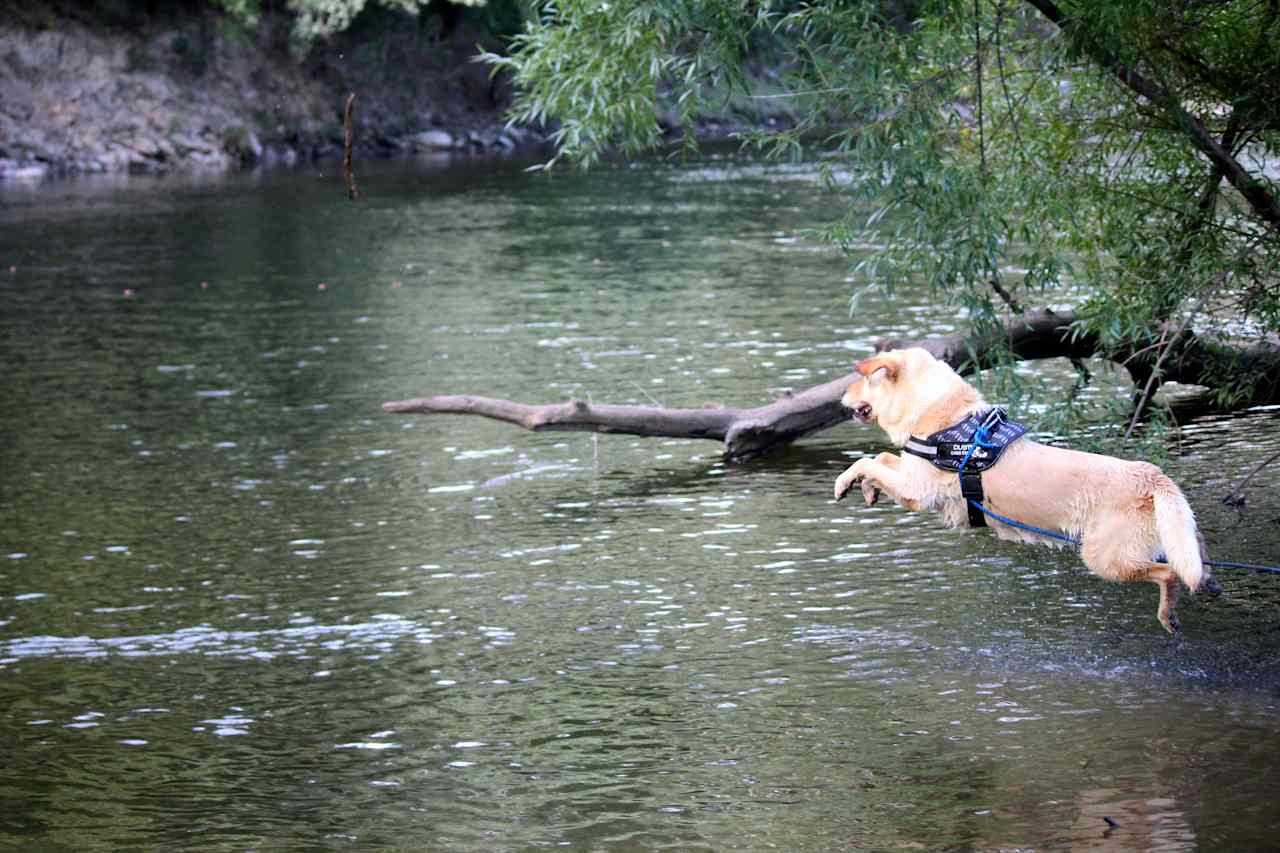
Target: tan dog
{"type": "Point", "coordinates": [1125, 514]}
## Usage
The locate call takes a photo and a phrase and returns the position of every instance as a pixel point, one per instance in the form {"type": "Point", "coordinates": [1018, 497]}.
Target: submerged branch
{"type": "Point", "coordinates": [1236, 497]}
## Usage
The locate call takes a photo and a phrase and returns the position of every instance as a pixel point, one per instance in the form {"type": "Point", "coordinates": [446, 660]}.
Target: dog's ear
{"type": "Point", "coordinates": [870, 366]}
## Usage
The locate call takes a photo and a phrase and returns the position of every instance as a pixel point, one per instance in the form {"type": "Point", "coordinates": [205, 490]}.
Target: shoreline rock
{"type": "Point", "coordinates": [186, 89]}
{"type": "Point", "coordinates": [189, 90]}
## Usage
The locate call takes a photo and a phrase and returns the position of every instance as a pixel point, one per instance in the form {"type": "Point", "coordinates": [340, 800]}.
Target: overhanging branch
{"type": "Point", "coordinates": [1263, 202]}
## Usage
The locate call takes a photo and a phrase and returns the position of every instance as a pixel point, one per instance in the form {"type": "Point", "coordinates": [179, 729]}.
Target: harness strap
{"type": "Point", "coordinates": [971, 478]}
{"type": "Point", "coordinates": [920, 448]}
{"type": "Point", "coordinates": [971, 488]}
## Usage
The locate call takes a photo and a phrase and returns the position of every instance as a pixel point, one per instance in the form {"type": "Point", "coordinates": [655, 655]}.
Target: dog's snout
{"type": "Point", "coordinates": [861, 410]}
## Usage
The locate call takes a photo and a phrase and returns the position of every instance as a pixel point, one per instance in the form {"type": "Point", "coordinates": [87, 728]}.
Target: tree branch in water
{"type": "Point", "coordinates": [751, 432]}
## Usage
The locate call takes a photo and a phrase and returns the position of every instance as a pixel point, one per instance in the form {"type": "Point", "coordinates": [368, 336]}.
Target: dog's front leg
{"type": "Point", "coordinates": [846, 480]}
{"type": "Point", "coordinates": [870, 488]}
{"type": "Point", "coordinates": [898, 492]}
{"type": "Point", "coordinates": [883, 473]}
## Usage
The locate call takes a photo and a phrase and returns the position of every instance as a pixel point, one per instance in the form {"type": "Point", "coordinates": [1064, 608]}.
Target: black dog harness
{"type": "Point", "coordinates": [969, 448]}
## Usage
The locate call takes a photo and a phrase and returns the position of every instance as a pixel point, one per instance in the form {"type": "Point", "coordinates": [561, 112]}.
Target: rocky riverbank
{"type": "Point", "coordinates": [187, 88]}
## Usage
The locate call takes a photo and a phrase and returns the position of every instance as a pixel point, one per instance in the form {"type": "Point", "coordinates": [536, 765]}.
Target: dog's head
{"type": "Point", "coordinates": [897, 387]}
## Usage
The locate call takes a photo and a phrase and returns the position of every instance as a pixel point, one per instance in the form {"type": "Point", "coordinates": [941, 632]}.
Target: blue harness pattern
{"type": "Point", "coordinates": [968, 448]}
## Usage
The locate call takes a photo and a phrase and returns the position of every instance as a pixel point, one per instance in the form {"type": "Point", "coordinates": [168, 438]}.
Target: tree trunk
{"type": "Point", "coordinates": [749, 433]}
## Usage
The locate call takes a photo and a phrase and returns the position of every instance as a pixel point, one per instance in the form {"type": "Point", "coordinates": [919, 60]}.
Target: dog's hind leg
{"type": "Point", "coordinates": [1170, 585]}
{"type": "Point", "coordinates": [1107, 551]}
{"type": "Point", "coordinates": [1158, 573]}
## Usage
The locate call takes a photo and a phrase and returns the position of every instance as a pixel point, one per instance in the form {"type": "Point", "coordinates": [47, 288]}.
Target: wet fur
{"type": "Point", "coordinates": [1126, 514]}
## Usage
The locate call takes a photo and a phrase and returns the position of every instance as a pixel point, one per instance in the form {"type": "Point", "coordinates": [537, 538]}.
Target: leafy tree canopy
{"type": "Point", "coordinates": [1118, 156]}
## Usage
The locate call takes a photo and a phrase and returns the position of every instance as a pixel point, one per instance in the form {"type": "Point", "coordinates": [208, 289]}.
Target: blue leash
{"type": "Point", "coordinates": [1217, 564]}
{"type": "Point", "coordinates": [980, 440]}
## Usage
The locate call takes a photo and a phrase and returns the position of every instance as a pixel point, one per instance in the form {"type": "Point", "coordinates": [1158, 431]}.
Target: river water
{"type": "Point", "coordinates": [243, 608]}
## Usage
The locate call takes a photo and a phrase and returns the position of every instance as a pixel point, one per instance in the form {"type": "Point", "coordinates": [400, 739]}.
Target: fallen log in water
{"type": "Point", "coordinates": [751, 432]}
{"type": "Point", "coordinates": [746, 433]}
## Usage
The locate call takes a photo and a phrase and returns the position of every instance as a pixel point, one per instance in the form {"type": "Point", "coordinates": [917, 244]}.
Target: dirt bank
{"type": "Point", "coordinates": [181, 87]}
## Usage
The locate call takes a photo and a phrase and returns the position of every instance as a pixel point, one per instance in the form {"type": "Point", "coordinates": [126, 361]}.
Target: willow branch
{"type": "Point", "coordinates": [1263, 202]}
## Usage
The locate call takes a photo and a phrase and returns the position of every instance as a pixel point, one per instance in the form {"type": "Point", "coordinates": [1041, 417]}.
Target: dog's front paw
{"type": "Point", "coordinates": [870, 493]}
{"type": "Point", "coordinates": [846, 480]}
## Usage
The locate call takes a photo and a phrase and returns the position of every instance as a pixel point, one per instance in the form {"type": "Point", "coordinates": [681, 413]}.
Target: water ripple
{"type": "Point", "coordinates": [206, 640]}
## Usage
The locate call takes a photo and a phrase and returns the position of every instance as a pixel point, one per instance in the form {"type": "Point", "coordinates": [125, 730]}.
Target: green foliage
{"type": "Point", "coordinates": [322, 18]}
{"type": "Point", "coordinates": [597, 68]}
{"type": "Point", "coordinates": [990, 148]}
{"type": "Point", "coordinates": [318, 19]}
{"type": "Point", "coordinates": [247, 12]}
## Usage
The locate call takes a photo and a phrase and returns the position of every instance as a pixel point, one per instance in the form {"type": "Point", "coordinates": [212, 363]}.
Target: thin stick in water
{"type": "Point", "coordinates": [1234, 498]}
{"type": "Point", "coordinates": [595, 444]}
{"type": "Point", "coordinates": [348, 175]}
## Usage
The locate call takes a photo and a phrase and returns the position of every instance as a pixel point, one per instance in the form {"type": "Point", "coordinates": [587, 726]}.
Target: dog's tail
{"type": "Point", "coordinates": [1176, 526]}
